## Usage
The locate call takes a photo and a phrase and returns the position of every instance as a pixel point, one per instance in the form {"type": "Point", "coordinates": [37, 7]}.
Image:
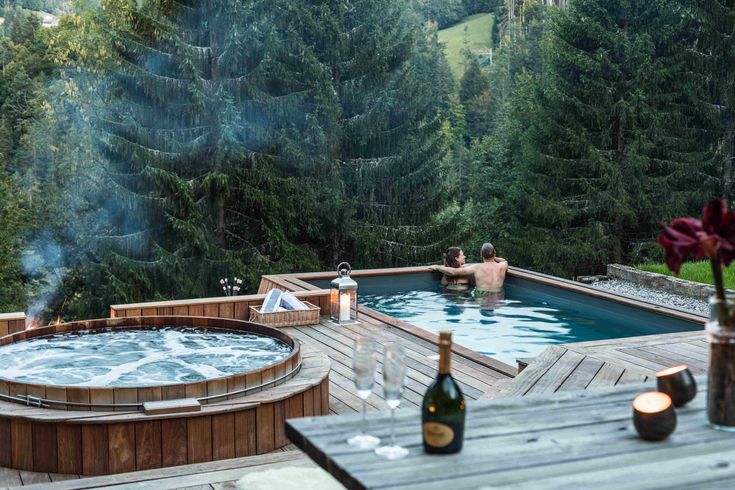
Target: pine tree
{"type": "Point", "coordinates": [11, 233]}
{"type": "Point", "coordinates": [474, 93]}
{"type": "Point", "coordinates": [712, 60]}
{"type": "Point", "coordinates": [607, 144]}
{"type": "Point", "coordinates": [474, 81]}
{"type": "Point", "coordinates": [213, 133]}
{"type": "Point", "coordinates": [393, 87]}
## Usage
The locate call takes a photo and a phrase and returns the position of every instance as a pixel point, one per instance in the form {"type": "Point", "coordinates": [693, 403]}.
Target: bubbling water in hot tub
{"type": "Point", "coordinates": [138, 357]}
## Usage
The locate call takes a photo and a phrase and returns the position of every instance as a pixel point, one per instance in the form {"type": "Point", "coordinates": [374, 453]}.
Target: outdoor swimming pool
{"type": "Point", "coordinates": [520, 322]}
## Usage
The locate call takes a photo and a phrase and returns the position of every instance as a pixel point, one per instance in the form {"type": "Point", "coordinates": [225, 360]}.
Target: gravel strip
{"type": "Point", "coordinates": [654, 295]}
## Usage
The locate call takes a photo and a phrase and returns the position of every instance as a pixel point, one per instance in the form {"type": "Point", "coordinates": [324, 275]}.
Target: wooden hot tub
{"type": "Point", "coordinates": [92, 430]}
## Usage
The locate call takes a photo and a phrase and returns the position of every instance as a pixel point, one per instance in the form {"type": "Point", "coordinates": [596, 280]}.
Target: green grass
{"type": "Point", "coordinates": [479, 29]}
{"type": "Point", "coordinates": [693, 271]}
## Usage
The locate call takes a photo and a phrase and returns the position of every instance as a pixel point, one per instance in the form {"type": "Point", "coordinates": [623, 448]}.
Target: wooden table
{"type": "Point", "coordinates": [576, 439]}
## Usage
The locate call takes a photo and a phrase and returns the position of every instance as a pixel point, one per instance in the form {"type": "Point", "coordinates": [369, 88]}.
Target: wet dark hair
{"type": "Point", "coordinates": [452, 256]}
{"type": "Point", "coordinates": [487, 251]}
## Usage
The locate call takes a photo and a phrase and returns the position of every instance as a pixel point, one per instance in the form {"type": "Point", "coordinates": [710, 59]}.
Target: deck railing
{"type": "Point", "coordinates": [237, 307]}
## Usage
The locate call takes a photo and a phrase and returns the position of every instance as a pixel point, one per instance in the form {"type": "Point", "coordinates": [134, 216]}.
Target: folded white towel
{"type": "Point", "coordinates": [291, 302]}
{"type": "Point", "coordinates": [272, 301]}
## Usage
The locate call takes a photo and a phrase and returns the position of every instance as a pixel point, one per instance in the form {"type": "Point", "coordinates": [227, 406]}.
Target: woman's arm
{"type": "Point", "coordinates": [464, 271]}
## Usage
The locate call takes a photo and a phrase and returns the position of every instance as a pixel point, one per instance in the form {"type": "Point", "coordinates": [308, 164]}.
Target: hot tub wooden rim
{"type": "Point", "coordinates": [19, 388]}
{"type": "Point", "coordinates": [315, 368]}
{"type": "Point", "coordinates": [100, 443]}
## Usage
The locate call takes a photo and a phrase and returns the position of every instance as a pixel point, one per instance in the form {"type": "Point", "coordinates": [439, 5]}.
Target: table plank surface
{"type": "Point", "coordinates": [568, 439]}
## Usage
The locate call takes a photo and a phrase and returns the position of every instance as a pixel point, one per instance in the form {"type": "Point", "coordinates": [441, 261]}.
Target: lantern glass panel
{"type": "Point", "coordinates": [343, 296]}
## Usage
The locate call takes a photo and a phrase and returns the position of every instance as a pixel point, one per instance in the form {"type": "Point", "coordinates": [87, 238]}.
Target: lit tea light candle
{"type": "Point", "coordinates": [654, 417]}
{"type": "Point", "coordinates": [677, 382]}
{"type": "Point", "coordinates": [344, 306]}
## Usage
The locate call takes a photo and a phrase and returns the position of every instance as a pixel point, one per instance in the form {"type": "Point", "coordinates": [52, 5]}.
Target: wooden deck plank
{"type": "Point", "coordinates": [463, 364]}
{"type": "Point", "coordinates": [610, 362]}
{"type": "Point", "coordinates": [522, 383]}
{"type": "Point", "coordinates": [9, 477]}
{"type": "Point", "coordinates": [473, 386]}
{"type": "Point", "coordinates": [558, 373]}
{"type": "Point", "coordinates": [62, 477]}
{"type": "Point", "coordinates": [31, 477]}
{"type": "Point", "coordinates": [416, 381]}
{"type": "Point", "coordinates": [698, 364]}
{"type": "Point", "coordinates": [608, 375]}
{"type": "Point", "coordinates": [690, 349]}
{"type": "Point", "coordinates": [182, 476]}
{"type": "Point", "coordinates": [583, 375]}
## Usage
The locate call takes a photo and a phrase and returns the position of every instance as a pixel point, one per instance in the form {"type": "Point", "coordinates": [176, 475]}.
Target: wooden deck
{"type": "Point", "coordinates": [476, 379]}
{"type": "Point", "coordinates": [605, 363]}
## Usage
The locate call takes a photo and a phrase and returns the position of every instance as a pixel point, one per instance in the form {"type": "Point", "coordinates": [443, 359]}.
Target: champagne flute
{"type": "Point", "coordinates": [394, 378]}
{"type": "Point", "coordinates": [364, 364]}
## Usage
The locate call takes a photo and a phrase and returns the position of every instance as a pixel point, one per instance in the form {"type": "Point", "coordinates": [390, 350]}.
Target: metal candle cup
{"type": "Point", "coordinates": [654, 417]}
{"type": "Point", "coordinates": [677, 382]}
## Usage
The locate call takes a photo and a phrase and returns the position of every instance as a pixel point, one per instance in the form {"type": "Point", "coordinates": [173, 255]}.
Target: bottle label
{"type": "Point", "coordinates": [438, 435]}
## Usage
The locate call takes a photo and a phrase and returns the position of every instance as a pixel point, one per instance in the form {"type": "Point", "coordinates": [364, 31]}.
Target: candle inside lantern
{"type": "Point", "coordinates": [677, 382]}
{"type": "Point", "coordinates": [344, 306]}
{"type": "Point", "coordinates": [654, 417]}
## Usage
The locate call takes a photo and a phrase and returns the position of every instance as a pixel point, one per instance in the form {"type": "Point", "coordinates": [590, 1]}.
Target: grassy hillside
{"type": "Point", "coordinates": [693, 271]}
{"type": "Point", "coordinates": [479, 28]}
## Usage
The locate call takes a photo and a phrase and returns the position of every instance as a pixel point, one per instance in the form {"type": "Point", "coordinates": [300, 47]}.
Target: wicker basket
{"type": "Point", "coordinates": [287, 318]}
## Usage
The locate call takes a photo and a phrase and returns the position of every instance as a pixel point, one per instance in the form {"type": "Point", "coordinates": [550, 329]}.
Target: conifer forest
{"type": "Point", "coordinates": [149, 148]}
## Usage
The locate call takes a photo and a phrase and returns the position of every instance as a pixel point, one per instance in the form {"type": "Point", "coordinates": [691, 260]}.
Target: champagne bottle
{"type": "Point", "coordinates": [443, 409]}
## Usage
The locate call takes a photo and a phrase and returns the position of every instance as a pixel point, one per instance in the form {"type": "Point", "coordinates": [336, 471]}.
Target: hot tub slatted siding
{"type": "Point", "coordinates": [122, 448]}
{"type": "Point", "coordinates": [6, 455]}
{"type": "Point", "coordinates": [148, 444]}
{"type": "Point", "coordinates": [245, 434]}
{"type": "Point", "coordinates": [45, 456]}
{"type": "Point", "coordinates": [96, 443]}
{"type": "Point", "coordinates": [223, 436]}
{"type": "Point", "coordinates": [12, 323]}
{"type": "Point", "coordinates": [199, 439]}
{"type": "Point", "coordinates": [95, 450]}
{"type": "Point", "coordinates": [69, 444]}
{"type": "Point", "coordinates": [173, 392]}
{"type": "Point", "coordinates": [21, 444]}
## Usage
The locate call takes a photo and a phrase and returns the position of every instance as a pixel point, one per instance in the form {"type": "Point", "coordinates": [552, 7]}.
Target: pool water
{"type": "Point", "coordinates": [520, 322]}
{"type": "Point", "coordinates": [138, 357]}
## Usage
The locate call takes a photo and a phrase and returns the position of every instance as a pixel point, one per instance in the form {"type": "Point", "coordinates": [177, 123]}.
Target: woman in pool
{"type": "Point", "coordinates": [455, 259]}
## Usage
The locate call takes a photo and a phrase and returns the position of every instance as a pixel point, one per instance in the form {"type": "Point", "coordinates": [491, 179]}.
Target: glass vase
{"type": "Point", "coordinates": [721, 373]}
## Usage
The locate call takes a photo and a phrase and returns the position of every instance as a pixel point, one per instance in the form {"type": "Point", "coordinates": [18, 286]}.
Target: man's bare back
{"type": "Point", "coordinates": [488, 275]}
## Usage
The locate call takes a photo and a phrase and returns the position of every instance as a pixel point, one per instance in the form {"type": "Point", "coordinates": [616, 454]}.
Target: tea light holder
{"type": "Point", "coordinates": [677, 382]}
{"type": "Point", "coordinates": [654, 417]}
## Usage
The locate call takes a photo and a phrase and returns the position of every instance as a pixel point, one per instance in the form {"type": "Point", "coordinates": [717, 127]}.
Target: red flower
{"type": "Point", "coordinates": [680, 240]}
{"type": "Point", "coordinates": [719, 224]}
{"type": "Point", "coordinates": [713, 236]}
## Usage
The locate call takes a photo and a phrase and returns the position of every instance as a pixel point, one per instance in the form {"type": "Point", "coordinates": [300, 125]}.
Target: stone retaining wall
{"type": "Point", "coordinates": [662, 282]}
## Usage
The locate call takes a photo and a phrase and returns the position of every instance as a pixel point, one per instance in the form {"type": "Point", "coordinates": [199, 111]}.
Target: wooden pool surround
{"type": "Point", "coordinates": [298, 283]}
{"type": "Point", "coordinates": [103, 439]}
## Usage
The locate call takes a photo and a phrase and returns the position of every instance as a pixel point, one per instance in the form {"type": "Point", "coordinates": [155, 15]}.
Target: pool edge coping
{"type": "Point", "coordinates": [297, 282]}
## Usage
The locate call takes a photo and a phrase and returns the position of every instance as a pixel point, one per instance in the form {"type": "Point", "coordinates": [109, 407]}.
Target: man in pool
{"type": "Point", "coordinates": [488, 276]}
